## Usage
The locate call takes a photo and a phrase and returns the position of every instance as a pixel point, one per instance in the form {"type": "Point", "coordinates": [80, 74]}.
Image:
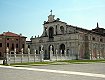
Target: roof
{"type": "Point", "coordinates": [53, 22]}
{"type": "Point", "coordinates": [89, 31]}
{"type": "Point", "coordinates": [11, 34]}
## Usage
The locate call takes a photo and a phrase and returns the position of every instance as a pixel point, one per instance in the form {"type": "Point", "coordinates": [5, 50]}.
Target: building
{"type": "Point", "coordinates": [12, 41]}
{"type": "Point", "coordinates": [28, 44]}
{"type": "Point", "coordinates": [70, 41]}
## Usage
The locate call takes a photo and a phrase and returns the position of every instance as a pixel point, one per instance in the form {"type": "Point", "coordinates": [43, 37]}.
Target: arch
{"type": "Point", "coordinates": [62, 48]}
{"type": "Point", "coordinates": [39, 49]}
{"type": "Point", "coordinates": [46, 55]}
{"type": "Point", "coordinates": [51, 32]}
{"type": "Point", "coordinates": [62, 29]}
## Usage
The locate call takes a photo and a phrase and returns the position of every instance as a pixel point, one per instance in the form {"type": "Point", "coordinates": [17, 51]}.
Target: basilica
{"type": "Point", "coordinates": [66, 42]}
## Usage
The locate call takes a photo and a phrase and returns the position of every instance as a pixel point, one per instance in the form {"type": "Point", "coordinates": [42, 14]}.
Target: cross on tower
{"type": "Point", "coordinates": [51, 12]}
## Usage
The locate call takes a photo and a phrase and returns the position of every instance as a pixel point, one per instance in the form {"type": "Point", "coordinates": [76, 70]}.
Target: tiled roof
{"type": "Point", "coordinates": [10, 34]}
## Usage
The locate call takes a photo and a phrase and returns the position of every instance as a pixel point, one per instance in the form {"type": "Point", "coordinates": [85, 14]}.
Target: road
{"type": "Point", "coordinates": [94, 71]}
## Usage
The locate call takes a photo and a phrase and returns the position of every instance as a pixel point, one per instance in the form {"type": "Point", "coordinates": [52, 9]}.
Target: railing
{"type": "Point", "coordinates": [22, 58]}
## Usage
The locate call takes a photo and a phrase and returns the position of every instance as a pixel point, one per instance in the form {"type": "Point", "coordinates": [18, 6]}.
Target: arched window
{"type": "Point", "coordinates": [93, 38]}
{"type": "Point", "coordinates": [51, 32]}
{"type": "Point", "coordinates": [62, 48]}
{"type": "Point", "coordinates": [39, 49]}
{"type": "Point", "coordinates": [62, 29]}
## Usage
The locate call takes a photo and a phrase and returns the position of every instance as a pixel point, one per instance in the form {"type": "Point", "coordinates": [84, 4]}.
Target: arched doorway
{"type": "Point", "coordinates": [39, 49]}
{"type": "Point", "coordinates": [51, 32]}
{"type": "Point", "coordinates": [62, 49]}
{"type": "Point", "coordinates": [46, 55]}
{"type": "Point", "coordinates": [49, 50]}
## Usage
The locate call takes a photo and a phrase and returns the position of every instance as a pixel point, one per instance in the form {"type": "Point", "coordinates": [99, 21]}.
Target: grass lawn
{"type": "Point", "coordinates": [57, 62]}
{"type": "Point", "coordinates": [31, 64]}
{"type": "Point", "coordinates": [73, 61]}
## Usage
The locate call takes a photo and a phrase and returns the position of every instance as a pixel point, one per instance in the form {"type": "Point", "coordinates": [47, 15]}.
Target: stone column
{"type": "Point", "coordinates": [41, 54]}
{"type": "Point", "coordinates": [92, 52]}
{"type": "Point", "coordinates": [65, 54]}
{"type": "Point", "coordinates": [61, 54]}
{"type": "Point", "coordinates": [78, 50]}
{"type": "Point", "coordinates": [70, 52]}
{"type": "Point", "coordinates": [28, 54]}
{"type": "Point", "coordinates": [104, 52]}
{"type": "Point", "coordinates": [98, 55]}
{"type": "Point", "coordinates": [21, 55]}
{"type": "Point", "coordinates": [56, 54]}
{"type": "Point", "coordinates": [51, 53]}
{"type": "Point", "coordinates": [14, 55]}
{"type": "Point", "coordinates": [90, 56]}
{"type": "Point", "coordinates": [34, 55]}
{"type": "Point", "coordinates": [7, 56]}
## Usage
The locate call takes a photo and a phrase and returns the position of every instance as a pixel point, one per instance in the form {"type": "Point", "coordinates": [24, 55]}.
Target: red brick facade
{"type": "Point", "coordinates": [12, 41]}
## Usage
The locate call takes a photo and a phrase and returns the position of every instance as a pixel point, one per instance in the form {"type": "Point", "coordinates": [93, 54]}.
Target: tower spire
{"type": "Point", "coordinates": [97, 25]}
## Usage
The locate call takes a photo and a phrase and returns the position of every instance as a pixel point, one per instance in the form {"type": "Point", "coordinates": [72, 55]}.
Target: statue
{"type": "Point", "coordinates": [61, 51]}
{"type": "Point", "coordinates": [15, 50]}
{"type": "Point", "coordinates": [51, 48]}
{"type": "Point", "coordinates": [22, 50]}
{"type": "Point", "coordinates": [7, 50]}
{"type": "Point", "coordinates": [51, 52]}
{"type": "Point", "coordinates": [35, 51]}
{"type": "Point", "coordinates": [41, 47]}
{"type": "Point", "coordinates": [28, 50]}
{"type": "Point", "coordinates": [41, 54]}
{"type": "Point", "coordinates": [56, 51]}
{"type": "Point", "coordinates": [51, 12]}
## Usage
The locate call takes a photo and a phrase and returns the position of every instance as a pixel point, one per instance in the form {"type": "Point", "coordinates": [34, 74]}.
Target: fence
{"type": "Point", "coordinates": [23, 58]}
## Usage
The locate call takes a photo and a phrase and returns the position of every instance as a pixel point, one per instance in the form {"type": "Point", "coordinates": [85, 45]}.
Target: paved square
{"type": "Point", "coordinates": [95, 71]}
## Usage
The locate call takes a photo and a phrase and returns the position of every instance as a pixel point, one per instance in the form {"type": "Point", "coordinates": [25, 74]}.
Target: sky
{"type": "Point", "coordinates": [27, 16]}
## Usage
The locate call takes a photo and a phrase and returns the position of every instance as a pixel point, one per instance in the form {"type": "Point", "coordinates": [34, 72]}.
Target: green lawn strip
{"type": "Point", "coordinates": [30, 64]}
{"type": "Point", "coordinates": [60, 62]}
{"type": "Point", "coordinates": [82, 61]}
{"type": "Point", "coordinates": [1, 64]}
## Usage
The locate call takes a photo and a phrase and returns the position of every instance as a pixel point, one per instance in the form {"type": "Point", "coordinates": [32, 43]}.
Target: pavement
{"type": "Point", "coordinates": [94, 71]}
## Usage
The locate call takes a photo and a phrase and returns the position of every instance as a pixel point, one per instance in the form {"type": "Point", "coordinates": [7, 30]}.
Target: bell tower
{"type": "Point", "coordinates": [51, 17]}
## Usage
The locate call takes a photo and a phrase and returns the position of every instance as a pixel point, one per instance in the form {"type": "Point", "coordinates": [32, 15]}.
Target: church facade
{"type": "Point", "coordinates": [66, 42]}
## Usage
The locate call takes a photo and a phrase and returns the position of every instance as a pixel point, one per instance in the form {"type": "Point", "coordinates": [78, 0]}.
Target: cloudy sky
{"type": "Point", "coordinates": [27, 16]}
